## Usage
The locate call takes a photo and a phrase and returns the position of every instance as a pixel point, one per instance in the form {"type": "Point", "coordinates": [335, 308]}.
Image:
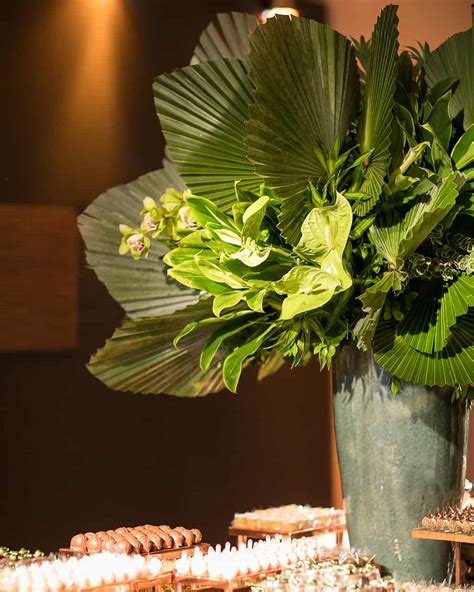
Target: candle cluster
{"type": "Point", "coordinates": [327, 576]}
{"type": "Point", "coordinates": [289, 518]}
{"type": "Point", "coordinates": [75, 573]}
{"type": "Point", "coordinates": [251, 558]}
{"type": "Point", "coordinates": [451, 520]}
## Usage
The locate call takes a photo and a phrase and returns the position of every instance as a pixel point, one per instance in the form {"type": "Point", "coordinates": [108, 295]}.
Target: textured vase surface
{"type": "Point", "coordinates": [401, 456]}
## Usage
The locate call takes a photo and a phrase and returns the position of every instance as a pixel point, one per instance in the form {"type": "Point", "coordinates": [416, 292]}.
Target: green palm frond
{"type": "Point", "coordinates": [386, 234]}
{"type": "Point", "coordinates": [451, 366]}
{"type": "Point", "coordinates": [362, 53]}
{"type": "Point", "coordinates": [418, 328]}
{"type": "Point", "coordinates": [435, 311]}
{"type": "Point", "coordinates": [140, 356]}
{"type": "Point", "coordinates": [455, 57]}
{"type": "Point", "coordinates": [426, 214]}
{"type": "Point", "coordinates": [457, 300]}
{"type": "Point", "coordinates": [397, 237]}
{"type": "Point", "coordinates": [203, 110]}
{"type": "Point", "coordinates": [373, 301]}
{"type": "Point", "coordinates": [141, 287]}
{"type": "Point", "coordinates": [227, 37]}
{"type": "Point", "coordinates": [419, 52]}
{"type": "Point", "coordinates": [306, 95]}
{"type": "Point", "coordinates": [365, 327]}
{"type": "Point", "coordinates": [377, 105]}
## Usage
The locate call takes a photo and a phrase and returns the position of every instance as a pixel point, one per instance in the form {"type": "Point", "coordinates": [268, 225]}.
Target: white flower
{"type": "Point", "coordinates": [136, 243]}
{"type": "Point", "coordinates": [148, 220]}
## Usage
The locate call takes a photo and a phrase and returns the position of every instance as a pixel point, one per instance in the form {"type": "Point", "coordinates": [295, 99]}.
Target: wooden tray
{"type": "Point", "coordinates": [163, 555]}
{"type": "Point", "coordinates": [205, 582]}
{"type": "Point", "coordinates": [441, 535]}
{"type": "Point", "coordinates": [247, 533]}
{"type": "Point", "coordinates": [456, 538]}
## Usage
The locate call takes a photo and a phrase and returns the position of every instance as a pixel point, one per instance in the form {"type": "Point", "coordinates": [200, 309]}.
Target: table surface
{"type": "Point", "coordinates": [235, 530]}
{"type": "Point", "coordinates": [438, 535]}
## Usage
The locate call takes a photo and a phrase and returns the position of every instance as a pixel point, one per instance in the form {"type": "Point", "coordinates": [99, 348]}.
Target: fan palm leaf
{"type": "Point", "coordinates": [140, 287]}
{"type": "Point", "coordinates": [203, 110]}
{"type": "Point", "coordinates": [377, 106]}
{"type": "Point", "coordinates": [396, 238]}
{"type": "Point", "coordinates": [453, 365]}
{"type": "Point", "coordinates": [373, 302]}
{"type": "Point", "coordinates": [455, 57]}
{"type": "Point", "coordinates": [140, 356]}
{"type": "Point", "coordinates": [427, 324]}
{"type": "Point", "coordinates": [227, 37]}
{"type": "Point", "coordinates": [307, 87]}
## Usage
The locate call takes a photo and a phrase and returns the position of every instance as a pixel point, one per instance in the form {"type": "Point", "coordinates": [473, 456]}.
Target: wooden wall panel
{"type": "Point", "coordinates": [39, 263]}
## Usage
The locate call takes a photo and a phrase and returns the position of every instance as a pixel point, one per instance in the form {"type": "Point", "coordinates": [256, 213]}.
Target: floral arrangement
{"type": "Point", "coordinates": [316, 191]}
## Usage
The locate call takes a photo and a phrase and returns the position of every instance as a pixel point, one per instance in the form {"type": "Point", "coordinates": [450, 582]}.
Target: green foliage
{"type": "Point", "coordinates": [325, 231]}
{"type": "Point", "coordinates": [227, 37]}
{"type": "Point", "coordinates": [377, 107]}
{"type": "Point", "coordinates": [140, 286]}
{"type": "Point", "coordinates": [140, 356]}
{"type": "Point", "coordinates": [203, 110]}
{"type": "Point", "coordinates": [322, 199]}
{"type": "Point", "coordinates": [306, 96]}
{"type": "Point", "coordinates": [451, 366]}
{"type": "Point", "coordinates": [453, 58]}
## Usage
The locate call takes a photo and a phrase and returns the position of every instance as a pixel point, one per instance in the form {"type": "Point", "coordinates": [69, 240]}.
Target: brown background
{"type": "Point", "coordinates": [77, 117]}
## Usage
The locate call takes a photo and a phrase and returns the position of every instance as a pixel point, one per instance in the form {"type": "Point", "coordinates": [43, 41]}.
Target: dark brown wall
{"type": "Point", "coordinates": [76, 118]}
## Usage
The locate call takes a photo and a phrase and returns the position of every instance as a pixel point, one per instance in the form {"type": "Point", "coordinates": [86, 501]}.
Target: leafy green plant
{"type": "Point", "coordinates": [317, 190]}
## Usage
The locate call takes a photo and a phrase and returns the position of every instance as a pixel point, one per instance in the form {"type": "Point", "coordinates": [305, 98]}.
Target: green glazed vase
{"type": "Point", "coordinates": [401, 456]}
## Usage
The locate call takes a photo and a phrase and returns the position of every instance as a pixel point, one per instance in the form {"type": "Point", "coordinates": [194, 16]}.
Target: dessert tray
{"type": "Point", "coordinates": [288, 519]}
{"type": "Point", "coordinates": [452, 525]}
{"type": "Point", "coordinates": [292, 521]}
{"type": "Point", "coordinates": [144, 539]}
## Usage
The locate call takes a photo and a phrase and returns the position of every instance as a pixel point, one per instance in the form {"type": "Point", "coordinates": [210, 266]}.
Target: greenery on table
{"type": "Point", "coordinates": [317, 190]}
{"type": "Point", "coordinates": [9, 557]}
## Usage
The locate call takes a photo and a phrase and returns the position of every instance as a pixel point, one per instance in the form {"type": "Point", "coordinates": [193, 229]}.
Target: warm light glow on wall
{"type": "Point", "coordinates": [95, 84]}
{"type": "Point", "coordinates": [91, 94]}
{"type": "Point", "coordinates": [280, 8]}
{"type": "Point", "coordinates": [287, 11]}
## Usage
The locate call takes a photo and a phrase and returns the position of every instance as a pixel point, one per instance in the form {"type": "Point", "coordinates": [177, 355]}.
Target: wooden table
{"type": "Point", "coordinates": [226, 585]}
{"type": "Point", "coordinates": [452, 537]}
{"type": "Point", "coordinates": [243, 534]}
